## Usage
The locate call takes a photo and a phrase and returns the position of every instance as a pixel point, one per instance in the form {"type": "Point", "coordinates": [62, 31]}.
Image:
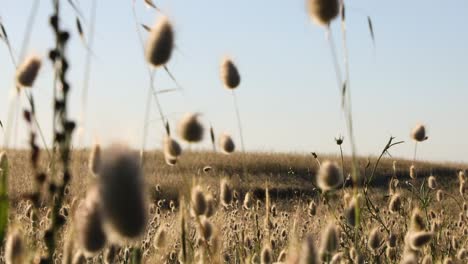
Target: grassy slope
{"type": "Point", "coordinates": [287, 174]}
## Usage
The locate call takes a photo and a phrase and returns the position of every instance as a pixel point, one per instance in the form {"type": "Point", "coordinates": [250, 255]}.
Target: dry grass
{"type": "Point", "coordinates": [291, 181]}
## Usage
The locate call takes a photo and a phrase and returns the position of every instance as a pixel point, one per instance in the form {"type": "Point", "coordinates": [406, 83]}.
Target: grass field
{"type": "Point", "coordinates": [238, 232]}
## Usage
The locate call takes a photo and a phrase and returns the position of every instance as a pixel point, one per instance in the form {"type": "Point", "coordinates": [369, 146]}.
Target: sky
{"type": "Point", "coordinates": [288, 97]}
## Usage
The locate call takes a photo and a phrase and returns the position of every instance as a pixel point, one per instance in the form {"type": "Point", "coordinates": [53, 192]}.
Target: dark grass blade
{"type": "Point", "coordinates": [75, 8]}
{"type": "Point", "coordinates": [166, 91]}
{"type": "Point", "coordinates": [168, 128]}
{"type": "Point", "coordinates": [172, 77]}
{"type": "Point", "coordinates": [79, 28]}
{"type": "Point", "coordinates": [371, 29]}
{"type": "Point", "coordinates": [212, 136]}
{"type": "Point", "coordinates": [343, 13]}
{"type": "Point", "coordinates": [4, 34]}
{"type": "Point", "coordinates": [151, 4]}
{"type": "Point", "coordinates": [147, 28]}
{"type": "Point", "coordinates": [343, 93]}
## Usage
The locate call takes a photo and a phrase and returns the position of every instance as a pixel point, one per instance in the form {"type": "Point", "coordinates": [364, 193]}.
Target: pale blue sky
{"type": "Point", "coordinates": [288, 97]}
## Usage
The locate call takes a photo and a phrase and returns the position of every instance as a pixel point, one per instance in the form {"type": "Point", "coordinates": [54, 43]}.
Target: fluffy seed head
{"type": "Point", "coordinates": [330, 240]}
{"type": "Point", "coordinates": [88, 219]}
{"type": "Point", "coordinates": [395, 203]}
{"type": "Point", "coordinates": [190, 129]}
{"type": "Point", "coordinates": [122, 192]}
{"type": "Point", "coordinates": [330, 176]}
{"type": "Point", "coordinates": [462, 254]}
{"type": "Point", "coordinates": [226, 192]}
{"type": "Point", "coordinates": [308, 252]}
{"type": "Point", "coordinates": [266, 256]}
{"type": "Point", "coordinates": [439, 195]}
{"type": "Point", "coordinates": [15, 248]}
{"type": "Point", "coordinates": [229, 74]}
{"type": "Point", "coordinates": [160, 43]}
{"type": "Point", "coordinates": [207, 229]}
{"type": "Point", "coordinates": [27, 72]}
{"type": "Point", "coordinates": [198, 201]}
{"type": "Point", "coordinates": [323, 12]}
{"type": "Point", "coordinates": [417, 221]}
{"type": "Point", "coordinates": [110, 254]}
{"type": "Point", "coordinates": [409, 259]}
{"type": "Point", "coordinates": [79, 258]}
{"type": "Point", "coordinates": [418, 239]}
{"type": "Point", "coordinates": [375, 239]}
{"type": "Point", "coordinates": [210, 206]}
{"type": "Point", "coordinates": [226, 144]}
{"type": "Point", "coordinates": [95, 159]}
{"type": "Point", "coordinates": [171, 147]}
{"type": "Point", "coordinates": [160, 238]}
{"type": "Point", "coordinates": [282, 256]}
{"type": "Point", "coordinates": [312, 208]}
{"type": "Point", "coordinates": [448, 260]}
{"type": "Point", "coordinates": [431, 182]}
{"type": "Point", "coordinates": [392, 239]}
{"type": "Point", "coordinates": [412, 172]}
{"type": "Point", "coordinates": [461, 176]}
{"type": "Point", "coordinates": [247, 201]}
{"type": "Point", "coordinates": [351, 212]}
{"type": "Point", "coordinates": [171, 161]}
{"type": "Point", "coordinates": [419, 133]}
{"type": "Point", "coordinates": [427, 260]}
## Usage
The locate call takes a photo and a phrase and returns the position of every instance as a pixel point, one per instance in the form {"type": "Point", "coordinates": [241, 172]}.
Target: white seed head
{"type": "Point", "coordinates": [412, 172]}
{"type": "Point", "coordinates": [329, 176]}
{"type": "Point", "coordinates": [395, 203]}
{"type": "Point", "coordinates": [432, 182]}
{"type": "Point", "coordinates": [89, 225]}
{"type": "Point", "coordinates": [207, 229]}
{"type": "Point", "coordinates": [419, 133]}
{"type": "Point", "coordinates": [330, 240]}
{"type": "Point", "coordinates": [418, 239]}
{"type": "Point", "coordinates": [226, 144]}
{"type": "Point", "coordinates": [15, 248]}
{"type": "Point", "coordinates": [198, 201]}
{"type": "Point", "coordinates": [229, 74]}
{"type": "Point", "coordinates": [323, 12]}
{"type": "Point", "coordinates": [171, 147]}
{"type": "Point", "coordinates": [267, 255]}
{"type": "Point", "coordinates": [122, 193]}
{"type": "Point", "coordinates": [439, 195]}
{"type": "Point", "coordinates": [27, 72]}
{"type": "Point", "coordinates": [190, 129]}
{"type": "Point", "coordinates": [160, 43]}
{"type": "Point", "coordinates": [417, 221]}
{"type": "Point", "coordinates": [226, 192]}
{"type": "Point", "coordinates": [375, 239]}
{"type": "Point", "coordinates": [95, 159]}
{"type": "Point", "coordinates": [308, 252]}
{"type": "Point", "coordinates": [210, 206]}
{"type": "Point", "coordinates": [160, 239]}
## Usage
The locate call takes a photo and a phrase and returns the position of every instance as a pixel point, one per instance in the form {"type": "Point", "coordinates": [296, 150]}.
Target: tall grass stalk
{"type": "Point", "coordinates": [151, 89]}
{"type": "Point", "coordinates": [239, 124]}
{"type": "Point", "coordinates": [87, 73]}
{"type": "Point", "coordinates": [11, 116]}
